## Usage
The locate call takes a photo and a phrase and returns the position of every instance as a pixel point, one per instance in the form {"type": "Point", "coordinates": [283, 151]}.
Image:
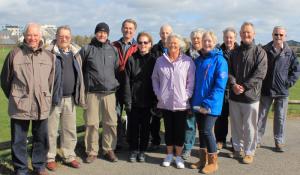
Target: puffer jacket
{"type": "Point", "coordinates": [99, 67]}
{"type": "Point", "coordinates": [138, 84]}
{"type": "Point", "coordinates": [210, 81]}
{"type": "Point", "coordinates": [247, 67]}
{"type": "Point", "coordinates": [27, 80]}
{"type": "Point", "coordinates": [283, 71]}
{"type": "Point", "coordinates": [79, 96]}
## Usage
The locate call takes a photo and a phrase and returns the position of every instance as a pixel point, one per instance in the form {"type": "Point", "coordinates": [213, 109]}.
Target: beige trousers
{"type": "Point", "coordinates": [100, 107]}
{"type": "Point", "coordinates": [65, 115]}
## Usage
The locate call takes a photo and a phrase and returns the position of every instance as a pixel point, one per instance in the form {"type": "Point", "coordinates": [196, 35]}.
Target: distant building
{"type": "Point", "coordinates": [14, 29]}
{"type": "Point", "coordinates": [49, 32]}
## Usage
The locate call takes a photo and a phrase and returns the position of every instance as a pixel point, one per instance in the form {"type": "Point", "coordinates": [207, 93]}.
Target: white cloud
{"type": "Point", "coordinates": [184, 15]}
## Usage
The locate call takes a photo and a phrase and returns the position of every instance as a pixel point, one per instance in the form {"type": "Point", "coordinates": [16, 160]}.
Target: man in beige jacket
{"type": "Point", "coordinates": [27, 79]}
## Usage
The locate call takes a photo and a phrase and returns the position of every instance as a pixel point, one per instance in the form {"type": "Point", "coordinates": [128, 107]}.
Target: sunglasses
{"type": "Point", "coordinates": [278, 34]}
{"type": "Point", "coordinates": [143, 42]}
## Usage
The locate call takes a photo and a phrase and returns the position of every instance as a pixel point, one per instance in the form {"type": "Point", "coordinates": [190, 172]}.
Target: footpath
{"type": "Point", "coordinates": [266, 161]}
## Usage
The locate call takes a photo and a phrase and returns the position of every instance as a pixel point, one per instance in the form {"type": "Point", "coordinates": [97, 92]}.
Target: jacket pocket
{"type": "Point", "coordinates": [45, 102]}
{"type": "Point", "coordinates": [20, 100]}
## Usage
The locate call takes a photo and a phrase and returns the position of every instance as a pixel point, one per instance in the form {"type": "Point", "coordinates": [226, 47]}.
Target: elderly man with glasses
{"type": "Point", "coordinates": [283, 72]}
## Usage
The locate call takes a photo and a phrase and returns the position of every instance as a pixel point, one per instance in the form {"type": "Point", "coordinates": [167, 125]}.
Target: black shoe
{"type": "Point", "coordinates": [132, 156]}
{"type": "Point", "coordinates": [141, 157]}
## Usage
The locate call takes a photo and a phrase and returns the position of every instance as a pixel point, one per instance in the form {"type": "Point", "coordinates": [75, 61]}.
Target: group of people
{"type": "Point", "coordinates": [188, 87]}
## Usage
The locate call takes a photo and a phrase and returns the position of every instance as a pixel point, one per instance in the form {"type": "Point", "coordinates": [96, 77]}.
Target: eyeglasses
{"type": "Point", "coordinates": [278, 34]}
{"type": "Point", "coordinates": [143, 42]}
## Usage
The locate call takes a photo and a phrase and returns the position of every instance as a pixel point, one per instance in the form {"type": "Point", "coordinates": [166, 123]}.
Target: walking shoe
{"type": "Point", "coordinates": [110, 156]}
{"type": "Point", "coordinates": [90, 158]}
{"type": "Point", "coordinates": [248, 159]}
{"type": "Point", "coordinates": [51, 166]}
{"type": "Point", "coordinates": [258, 145]}
{"type": "Point", "coordinates": [141, 157]}
{"type": "Point", "coordinates": [74, 164]}
{"type": "Point", "coordinates": [168, 160]}
{"type": "Point", "coordinates": [133, 156]}
{"type": "Point", "coordinates": [186, 154]}
{"type": "Point", "coordinates": [279, 148]}
{"type": "Point", "coordinates": [179, 162]}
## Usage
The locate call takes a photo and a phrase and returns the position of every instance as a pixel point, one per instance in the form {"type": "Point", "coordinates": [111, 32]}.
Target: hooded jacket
{"type": "Point", "coordinates": [27, 80]}
{"type": "Point", "coordinates": [247, 67]}
{"type": "Point", "coordinates": [99, 67]}
{"type": "Point", "coordinates": [79, 96]}
{"type": "Point", "coordinates": [283, 71]}
{"type": "Point", "coordinates": [210, 81]}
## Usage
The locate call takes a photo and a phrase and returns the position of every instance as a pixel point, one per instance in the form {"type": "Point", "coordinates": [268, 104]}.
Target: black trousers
{"type": "Point", "coordinates": [221, 125]}
{"type": "Point", "coordinates": [155, 130]}
{"type": "Point", "coordinates": [40, 144]}
{"type": "Point", "coordinates": [138, 128]}
{"type": "Point", "coordinates": [175, 123]}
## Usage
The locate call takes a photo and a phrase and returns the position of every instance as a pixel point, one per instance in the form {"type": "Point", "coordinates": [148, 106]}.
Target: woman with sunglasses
{"type": "Point", "coordinates": [173, 83]}
{"type": "Point", "coordinates": [139, 97]}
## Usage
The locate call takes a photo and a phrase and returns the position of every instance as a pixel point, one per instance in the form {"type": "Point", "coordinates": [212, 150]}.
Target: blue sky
{"type": "Point", "coordinates": [184, 15]}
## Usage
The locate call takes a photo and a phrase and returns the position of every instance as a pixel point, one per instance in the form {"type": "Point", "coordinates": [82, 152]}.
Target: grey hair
{"type": "Point", "coordinates": [182, 44]}
{"type": "Point", "coordinates": [64, 27]}
{"type": "Point", "coordinates": [199, 31]}
{"type": "Point", "coordinates": [279, 27]}
{"type": "Point", "coordinates": [247, 24]}
{"type": "Point", "coordinates": [32, 24]}
{"type": "Point", "coordinates": [229, 29]}
{"type": "Point", "coordinates": [165, 26]}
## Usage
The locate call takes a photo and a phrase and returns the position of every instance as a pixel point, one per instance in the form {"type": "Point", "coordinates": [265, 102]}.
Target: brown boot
{"type": "Point", "coordinates": [212, 164]}
{"type": "Point", "coordinates": [203, 159]}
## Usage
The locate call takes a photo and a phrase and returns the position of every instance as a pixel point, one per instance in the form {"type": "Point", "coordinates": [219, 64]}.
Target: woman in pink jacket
{"type": "Point", "coordinates": [173, 83]}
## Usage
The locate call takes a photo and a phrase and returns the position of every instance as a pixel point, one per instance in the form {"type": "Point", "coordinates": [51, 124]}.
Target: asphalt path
{"type": "Point", "coordinates": [266, 161]}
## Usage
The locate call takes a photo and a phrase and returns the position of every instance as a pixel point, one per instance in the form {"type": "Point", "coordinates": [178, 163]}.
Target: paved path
{"type": "Point", "coordinates": [266, 162]}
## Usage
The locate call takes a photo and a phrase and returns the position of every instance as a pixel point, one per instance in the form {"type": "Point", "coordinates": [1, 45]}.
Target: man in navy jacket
{"type": "Point", "coordinates": [283, 72]}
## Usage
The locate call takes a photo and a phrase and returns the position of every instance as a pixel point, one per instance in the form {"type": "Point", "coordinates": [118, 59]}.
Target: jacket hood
{"type": "Point", "coordinates": [53, 47]}
{"type": "Point", "coordinates": [97, 43]}
{"type": "Point", "coordinates": [247, 46]}
{"type": "Point", "coordinates": [212, 53]}
{"type": "Point", "coordinates": [27, 47]}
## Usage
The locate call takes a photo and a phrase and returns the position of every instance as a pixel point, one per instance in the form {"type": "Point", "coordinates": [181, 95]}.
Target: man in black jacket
{"type": "Point", "coordinates": [100, 64]}
{"type": "Point", "coordinates": [247, 69]}
{"type": "Point", "coordinates": [283, 72]}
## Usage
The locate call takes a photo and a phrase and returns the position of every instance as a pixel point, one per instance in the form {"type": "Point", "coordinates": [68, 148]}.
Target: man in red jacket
{"type": "Point", "coordinates": [126, 46]}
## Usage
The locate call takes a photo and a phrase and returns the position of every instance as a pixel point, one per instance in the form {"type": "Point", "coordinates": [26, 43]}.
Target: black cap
{"type": "Point", "coordinates": [102, 27]}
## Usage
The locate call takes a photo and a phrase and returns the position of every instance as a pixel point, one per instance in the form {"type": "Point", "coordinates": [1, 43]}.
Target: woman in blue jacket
{"type": "Point", "coordinates": [210, 83]}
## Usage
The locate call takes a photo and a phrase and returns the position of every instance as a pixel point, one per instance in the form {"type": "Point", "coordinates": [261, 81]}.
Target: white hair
{"type": "Point", "coordinates": [30, 25]}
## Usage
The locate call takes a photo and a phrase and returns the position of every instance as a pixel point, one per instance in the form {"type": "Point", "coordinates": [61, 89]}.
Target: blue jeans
{"type": "Point", "coordinates": [280, 113]}
{"type": "Point", "coordinates": [190, 132]}
{"type": "Point", "coordinates": [206, 135]}
{"type": "Point", "coordinates": [40, 144]}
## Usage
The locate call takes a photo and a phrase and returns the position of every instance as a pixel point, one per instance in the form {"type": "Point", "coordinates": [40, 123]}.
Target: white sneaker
{"type": "Point", "coordinates": [168, 160]}
{"type": "Point", "coordinates": [179, 162]}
